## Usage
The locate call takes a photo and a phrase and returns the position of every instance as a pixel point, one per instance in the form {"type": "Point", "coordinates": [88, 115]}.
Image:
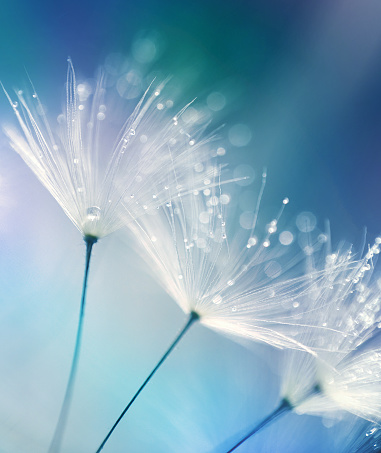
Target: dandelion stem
{"type": "Point", "coordinates": [284, 407]}
{"type": "Point", "coordinates": [192, 318]}
{"type": "Point", "coordinates": [55, 444]}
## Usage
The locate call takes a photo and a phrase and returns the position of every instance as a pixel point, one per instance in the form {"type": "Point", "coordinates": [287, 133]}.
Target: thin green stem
{"type": "Point", "coordinates": [284, 407]}
{"type": "Point", "coordinates": [56, 442]}
{"type": "Point", "coordinates": [192, 318]}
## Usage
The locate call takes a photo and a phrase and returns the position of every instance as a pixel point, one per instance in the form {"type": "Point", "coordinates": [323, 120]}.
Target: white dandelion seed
{"type": "Point", "coordinates": [342, 376]}
{"type": "Point", "coordinates": [97, 163]}
{"type": "Point", "coordinates": [224, 284]}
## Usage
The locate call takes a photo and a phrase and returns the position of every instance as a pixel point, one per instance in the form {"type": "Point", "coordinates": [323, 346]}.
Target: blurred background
{"type": "Point", "coordinates": [297, 86]}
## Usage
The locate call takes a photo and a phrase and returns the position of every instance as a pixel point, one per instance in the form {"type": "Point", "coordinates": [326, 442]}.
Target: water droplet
{"type": "Point", "coordinates": [132, 132]}
{"type": "Point", "coordinates": [93, 213]}
{"type": "Point", "coordinates": [191, 142]}
{"type": "Point", "coordinates": [154, 196]}
{"type": "Point", "coordinates": [75, 161]}
{"type": "Point", "coordinates": [34, 95]}
{"type": "Point", "coordinates": [15, 104]}
{"type": "Point", "coordinates": [20, 92]}
{"type": "Point", "coordinates": [295, 304]}
{"type": "Point", "coordinates": [266, 243]}
{"type": "Point", "coordinates": [234, 308]}
{"type": "Point", "coordinates": [101, 116]}
{"type": "Point", "coordinates": [157, 92]}
{"type": "Point", "coordinates": [80, 189]}
{"type": "Point", "coordinates": [231, 282]}
{"type": "Point", "coordinates": [286, 200]}
{"type": "Point", "coordinates": [180, 277]}
{"type": "Point", "coordinates": [217, 299]}
{"type": "Point", "coordinates": [132, 195]}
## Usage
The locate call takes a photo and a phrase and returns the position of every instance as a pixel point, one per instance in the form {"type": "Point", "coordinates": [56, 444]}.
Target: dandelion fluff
{"type": "Point", "coordinates": [345, 375]}
{"type": "Point", "coordinates": [98, 161]}
{"type": "Point", "coordinates": [229, 279]}
{"type": "Point", "coordinates": [224, 283]}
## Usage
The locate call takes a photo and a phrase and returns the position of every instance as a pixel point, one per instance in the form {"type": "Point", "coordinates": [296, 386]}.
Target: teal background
{"type": "Point", "coordinates": [304, 77]}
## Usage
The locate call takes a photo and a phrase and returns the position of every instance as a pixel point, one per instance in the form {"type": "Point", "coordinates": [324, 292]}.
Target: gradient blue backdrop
{"type": "Point", "coordinates": [304, 77]}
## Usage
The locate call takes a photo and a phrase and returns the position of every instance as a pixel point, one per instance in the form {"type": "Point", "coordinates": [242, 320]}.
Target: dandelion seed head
{"type": "Point", "coordinates": [232, 277]}
{"type": "Point", "coordinates": [117, 152]}
{"type": "Point", "coordinates": [347, 371]}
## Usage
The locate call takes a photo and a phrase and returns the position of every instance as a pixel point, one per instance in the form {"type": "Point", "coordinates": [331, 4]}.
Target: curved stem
{"type": "Point", "coordinates": [55, 444]}
{"type": "Point", "coordinates": [284, 407]}
{"type": "Point", "coordinates": [192, 318]}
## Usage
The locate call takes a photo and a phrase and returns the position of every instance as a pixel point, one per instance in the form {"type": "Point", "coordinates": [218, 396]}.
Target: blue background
{"type": "Point", "coordinates": [304, 77]}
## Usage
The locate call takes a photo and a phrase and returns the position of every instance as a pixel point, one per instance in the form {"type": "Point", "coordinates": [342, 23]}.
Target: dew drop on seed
{"type": "Point", "coordinates": [252, 241]}
{"type": "Point", "coordinates": [93, 213]}
{"type": "Point", "coordinates": [217, 299]}
{"type": "Point", "coordinates": [34, 95]}
{"type": "Point", "coordinates": [231, 282]}
{"type": "Point", "coordinates": [15, 104]}
{"type": "Point", "coordinates": [20, 92]}
{"type": "Point", "coordinates": [180, 277]}
{"type": "Point", "coordinates": [132, 132]}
